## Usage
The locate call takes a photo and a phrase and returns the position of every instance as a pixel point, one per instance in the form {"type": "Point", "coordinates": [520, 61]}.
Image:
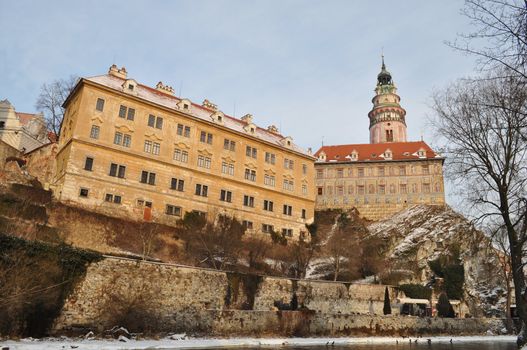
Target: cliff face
{"type": "Point", "coordinates": [413, 240]}
{"type": "Point", "coordinates": [421, 235]}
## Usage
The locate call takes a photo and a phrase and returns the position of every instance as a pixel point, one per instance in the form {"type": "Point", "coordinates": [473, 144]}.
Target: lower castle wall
{"type": "Point", "coordinates": [201, 300]}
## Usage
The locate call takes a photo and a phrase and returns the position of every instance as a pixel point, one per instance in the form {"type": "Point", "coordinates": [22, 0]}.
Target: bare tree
{"type": "Point", "coordinates": [483, 122]}
{"type": "Point", "coordinates": [499, 247]}
{"type": "Point", "coordinates": [342, 247]}
{"type": "Point", "coordinates": [52, 96]}
{"type": "Point", "coordinates": [499, 38]}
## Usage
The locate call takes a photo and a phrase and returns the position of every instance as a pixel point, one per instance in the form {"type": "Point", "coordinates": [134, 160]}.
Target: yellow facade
{"type": "Point", "coordinates": [192, 149]}
{"type": "Point", "coordinates": [379, 189]}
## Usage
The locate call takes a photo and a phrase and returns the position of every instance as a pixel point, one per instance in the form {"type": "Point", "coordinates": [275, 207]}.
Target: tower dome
{"type": "Point", "coordinates": [387, 117]}
{"type": "Point", "coordinates": [384, 77]}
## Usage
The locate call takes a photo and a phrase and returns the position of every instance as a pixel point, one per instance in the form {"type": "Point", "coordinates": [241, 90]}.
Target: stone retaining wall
{"type": "Point", "coordinates": [213, 302]}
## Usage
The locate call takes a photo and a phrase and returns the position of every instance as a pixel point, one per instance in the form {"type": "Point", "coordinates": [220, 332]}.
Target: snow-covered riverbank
{"type": "Point", "coordinates": [208, 343]}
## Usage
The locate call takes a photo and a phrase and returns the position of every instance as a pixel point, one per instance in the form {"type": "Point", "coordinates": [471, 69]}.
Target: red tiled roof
{"type": "Point", "coordinates": [375, 152]}
{"type": "Point", "coordinates": [25, 118]}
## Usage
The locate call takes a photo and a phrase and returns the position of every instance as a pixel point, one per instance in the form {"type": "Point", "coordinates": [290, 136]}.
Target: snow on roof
{"type": "Point", "coordinates": [204, 113]}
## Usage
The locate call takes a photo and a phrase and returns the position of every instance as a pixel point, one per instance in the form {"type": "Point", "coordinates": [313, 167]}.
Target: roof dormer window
{"type": "Point", "coordinates": [184, 104]}
{"type": "Point", "coordinates": [388, 154]}
{"type": "Point", "coordinates": [130, 86]}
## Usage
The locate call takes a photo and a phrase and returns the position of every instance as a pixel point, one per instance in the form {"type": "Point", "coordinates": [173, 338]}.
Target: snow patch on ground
{"type": "Point", "coordinates": [61, 343]}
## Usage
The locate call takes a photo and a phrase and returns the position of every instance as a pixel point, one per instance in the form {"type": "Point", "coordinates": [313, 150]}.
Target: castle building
{"type": "Point", "coordinates": [142, 152]}
{"type": "Point", "coordinates": [386, 175]}
{"type": "Point", "coordinates": [22, 131]}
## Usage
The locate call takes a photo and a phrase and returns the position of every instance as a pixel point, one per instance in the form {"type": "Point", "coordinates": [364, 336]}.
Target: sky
{"type": "Point", "coordinates": [307, 66]}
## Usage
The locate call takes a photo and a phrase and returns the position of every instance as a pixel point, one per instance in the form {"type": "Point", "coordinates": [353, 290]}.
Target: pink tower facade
{"type": "Point", "coordinates": [387, 118]}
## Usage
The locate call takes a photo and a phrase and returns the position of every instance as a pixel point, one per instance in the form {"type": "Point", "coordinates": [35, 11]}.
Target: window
{"type": "Point", "coordinates": [289, 164]}
{"type": "Point", "coordinates": [148, 146]}
{"type": "Point", "coordinates": [180, 155]}
{"type": "Point", "coordinates": [402, 188]}
{"type": "Point", "coordinates": [382, 189]}
{"type": "Point", "coordinates": [148, 177]}
{"type": "Point", "coordinates": [156, 148]}
{"type": "Point", "coordinates": [117, 170]}
{"type": "Point", "coordinates": [127, 140]}
{"type": "Point", "coordinates": [125, 112]}
{"type": "Point", "coordinates": [183, 130]}
{"type": "Point", "coordinates": [225, 196]}
{"type": "Point", "coordinates": [288, 185]}
{"type": "Point", "coordinates": [340, 173]}
{"type": "Point", "coordinates": [248, 201]}
{"type": "Point", "coordinates": [267, 228]}
{"type": "Point", "coordinates": [118, 138]}
{"type": "Point", "coordinates": [250, 175]}
{"type": "Point", "coordinates": [268, 205]}
{"type": "Point", "coordinates": [122, 111]}
{"type": "Point", "coordinates": [320, 173]}
{"type": "Point", "coordinates": [99, 106]}
{"type": "Point", "coordinates": [288, 210]}
{"type": "Point", "coordinates": [201, 190]}
{"type": "Point", "coordinates": [389, 135]}
{"type": "Point", "coordinates": [173, 210]}
{"type": "Point", "coordinates": [287, 232]}
{"type": "Point", "coordinates": [360, 172]}
{"type": "Point", "coordinates": [143, 203]}
{"type": "Point", "coordinates": [155, 122]}
{"type": "Point", "coordinates": [83, 192]}
{"type": "Point", "coordinates": [340, 190]}
{"type": "Point", "coordinates": [112, 198]}
{"type": "Point", "coordinates": [426, 188]}
{"type": "Point", "coordinates": [204, 162]}
{"type": "Point", "coordinates": [177, 184]}
{"type": "Point", "coordinates": [320, 190]}
{"type": "Point", "coordinates": [2, 125]}
{"type": "Point", "coordinates": [270, 158]}
{"type": "Point", "coordinates": [269, 180]}
{"type": "Point", "coordinates": [227, 168]}
{"type": "Point", "coordinates": [122, 139]}
{"type": "Point", "coordinates": [88, 164]}
{"type": "Point", "coordinates": [229, 145]}
{"type": "Point", "coordinates": [381, 171]}
{"type": "Point", "coordinates": [248, 225]}
{"type": "Point", "coordinates": [251, 152]}
{"type": "Point", "coordinates": [426, 170]}
{"type": "Point", "coordinates": [304, 169]}
{"type": "Point", "coordinates": [94, 133]}
{"type": "Point", "coordinates": [402, 170]}
{"type": "Point", "coordinates": [360, 189]}
{"type": "Point", "coordinates": [205, 137]}
{"type": "Point", "coordinates": [303, 214]}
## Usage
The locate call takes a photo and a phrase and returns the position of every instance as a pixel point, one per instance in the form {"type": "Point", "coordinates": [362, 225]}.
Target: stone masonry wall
{"type": "Point", "coordinates": [213, 302]}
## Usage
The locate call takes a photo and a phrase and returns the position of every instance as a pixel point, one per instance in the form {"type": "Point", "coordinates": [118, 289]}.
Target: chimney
{"type": "Point", "coordinates": [273, 129]}
{"type": "Point", "coordinates": [165, 88]}
{"type": "Point", "coordinates": [116, 72]}
{"type": "Point", "coordinates": [248, 118]}
{"type": "Point", "coordinates": [208, 104]}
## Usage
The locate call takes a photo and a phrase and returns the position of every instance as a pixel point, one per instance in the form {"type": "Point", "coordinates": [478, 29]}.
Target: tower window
{"type": "Point", "coordinates": [389, 135]}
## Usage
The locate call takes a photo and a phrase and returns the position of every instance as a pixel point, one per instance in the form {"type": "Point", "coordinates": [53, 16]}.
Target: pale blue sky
{"type": "Point", "coordinates": [307, 66]}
